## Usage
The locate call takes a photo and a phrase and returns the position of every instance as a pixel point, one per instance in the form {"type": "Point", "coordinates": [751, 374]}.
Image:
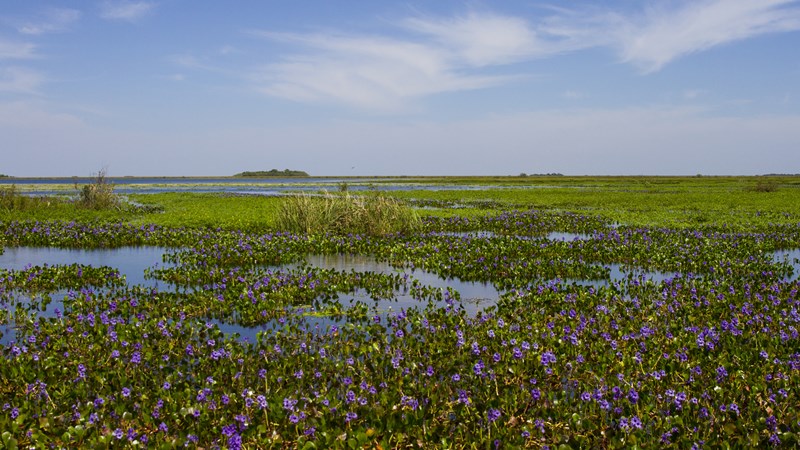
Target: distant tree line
{"type": "Point", "coordinates": [273, 173]}
{"type": "Point", "coordinates": [554, 174]}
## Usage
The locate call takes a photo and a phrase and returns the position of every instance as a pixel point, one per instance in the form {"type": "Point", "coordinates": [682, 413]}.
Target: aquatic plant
{"type": "Point", "coordinates": [12, 200]}
{"type": "Point", "coordinates": [568, 356]}
{"type": "Point", "coordinates": [99, 194]}
{"type": "Point", "coordinates": [373, 214]}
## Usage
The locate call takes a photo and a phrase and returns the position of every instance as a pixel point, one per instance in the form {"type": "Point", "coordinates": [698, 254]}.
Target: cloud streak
{"type": "Point", "coordinates": [661, 36]}
{"type": "Point", "coordinates": [424, 56]}
{"type": "Point", "coordinates": [16, 50]}
{"type": "Point", "coordinates": [53, 20]}
{"type": "Point", "coordinates": [20, 80]}
{"type": "Point", "coordinates": [125, 10]}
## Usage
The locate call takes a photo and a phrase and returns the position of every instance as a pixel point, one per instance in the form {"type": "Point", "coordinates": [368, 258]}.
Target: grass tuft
{"type": "Point", "coordinates": [99, 194]}
{"type": "Point", "coordinates": [374, 214]}
{"type": "Point", "coordinates": [12, 200]}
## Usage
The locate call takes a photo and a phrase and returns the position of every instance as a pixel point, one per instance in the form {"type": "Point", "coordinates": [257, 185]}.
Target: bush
{"type": "Point", "coordinates": [99, 194]}
{"type": "Point", "coordinates": [12, 200]}
{"type": "Point", "coordinates": [373, 214]}
{"type": "Point", "coordinates": [764, 186]}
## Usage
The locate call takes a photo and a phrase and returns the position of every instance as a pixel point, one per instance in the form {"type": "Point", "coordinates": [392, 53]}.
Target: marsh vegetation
{"type": "Point", "coordinates": [625, 313]}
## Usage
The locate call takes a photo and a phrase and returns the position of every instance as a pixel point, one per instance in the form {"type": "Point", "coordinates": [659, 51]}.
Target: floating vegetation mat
{"type": "Point", "coordinates": [522, 329]}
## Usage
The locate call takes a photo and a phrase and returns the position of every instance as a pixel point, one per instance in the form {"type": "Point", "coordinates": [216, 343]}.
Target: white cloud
{"type": "Point", "coordinates": [20, 80]}
{"type": "Point", "coordinates": [480, 39]}
{"type": "Point", "coordinates": [16, 50]}
{"type": "Point", "coordinates": [691, 94]}
{"type": "Point", "coordinates": [52, 20]}
{"type": "Point", "coordinates": [423, 56]}
{"type": "Point", "coordinates": [125, 10]}
{"type": "Point", "coordinates": [662, 35]}
{"type": "Point", "coordinates": [379, 72]}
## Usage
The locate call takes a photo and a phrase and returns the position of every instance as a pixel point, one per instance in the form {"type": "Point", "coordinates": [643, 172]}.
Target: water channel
{"type": "Point", "coordinates": [132, 262]}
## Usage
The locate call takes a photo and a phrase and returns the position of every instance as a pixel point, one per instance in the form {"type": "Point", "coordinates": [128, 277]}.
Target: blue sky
{"type": "Point", "coordinates": [180, 87]}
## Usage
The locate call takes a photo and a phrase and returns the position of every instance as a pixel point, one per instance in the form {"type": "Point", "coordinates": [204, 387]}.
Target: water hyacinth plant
{"type": "Point", "coordinates": [584, 346]}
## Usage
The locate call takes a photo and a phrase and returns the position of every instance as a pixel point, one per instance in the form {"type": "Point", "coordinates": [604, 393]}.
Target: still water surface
{"type": "Point", "coordinates": [133, 261]}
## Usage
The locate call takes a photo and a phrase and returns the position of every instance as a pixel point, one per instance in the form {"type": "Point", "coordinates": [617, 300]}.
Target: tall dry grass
{"type": "Point", "coordinates": [373, 214]}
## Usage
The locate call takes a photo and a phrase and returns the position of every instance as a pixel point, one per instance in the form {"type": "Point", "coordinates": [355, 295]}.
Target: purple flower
{"type": "Point", "coordinates": [350, 416]}
{"type": "Point", "coordinates": [493, 414]}
{"type": "Point", "coordinates": [547, 358]}
{"type": "Point", "coordinates": [633, 396]}
{"type": "Point", "coordinates": [721, 373]}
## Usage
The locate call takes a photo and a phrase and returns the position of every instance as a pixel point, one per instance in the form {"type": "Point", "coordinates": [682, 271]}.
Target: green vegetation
{"type": "Point", "coordinates": [12, 201]}
{"type": "Point", "coordinates": [374, 214]}
{"type": "Point", "coordinates": [272, 173]}
{"type": "Point", "coordinates": [663, 319]}
{"type": "Point", "coordinates": [98, 195]}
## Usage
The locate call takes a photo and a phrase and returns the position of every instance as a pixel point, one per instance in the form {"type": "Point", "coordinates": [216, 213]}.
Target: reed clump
{"type": "Point", "coordinates": [99, 194]}
{"type": "Point", "coordinates": [12, 200]}
{"type": "Point", "coordinates": [373, 214]}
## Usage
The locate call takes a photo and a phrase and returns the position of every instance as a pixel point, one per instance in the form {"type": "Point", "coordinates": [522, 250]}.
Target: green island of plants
{"type": "Point", "coordinates": [696, 344]}
{"type": "Point", "coordinates": [272, 173]}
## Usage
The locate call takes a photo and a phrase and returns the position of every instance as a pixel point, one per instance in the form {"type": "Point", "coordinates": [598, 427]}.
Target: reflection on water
{"type": "Point", "coordinates": [130, 261]}
{"type": "Point", "coordinates": [617, 275]}
{"type": "Point", "coordinates": [791, 257]}
{"type": "Point", "coordinates": [564, 236]}
{"type": "Point", "coordinates": [474, 295]}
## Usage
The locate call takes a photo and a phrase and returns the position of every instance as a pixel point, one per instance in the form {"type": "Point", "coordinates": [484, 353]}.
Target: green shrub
{"type": "Point", "coordinates": [13, 200]}
{"type": "Point", "coordinates": [374, 214]}
{"type": "Point", "coordinates": [764, 186]}
{"type": "Point", "coordinates": [99, 194]}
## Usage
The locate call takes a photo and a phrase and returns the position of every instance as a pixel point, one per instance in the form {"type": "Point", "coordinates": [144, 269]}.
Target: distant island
{"type": "Point", "coordinates": [273, 173]}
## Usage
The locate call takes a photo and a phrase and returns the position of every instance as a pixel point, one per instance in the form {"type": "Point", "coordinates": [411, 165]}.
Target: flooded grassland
{"type": "Point", "coordinates": [486, 326]}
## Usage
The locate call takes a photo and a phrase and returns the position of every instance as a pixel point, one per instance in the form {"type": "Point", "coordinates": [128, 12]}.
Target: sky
{"type": "Point", "coordinates": [364, 87]}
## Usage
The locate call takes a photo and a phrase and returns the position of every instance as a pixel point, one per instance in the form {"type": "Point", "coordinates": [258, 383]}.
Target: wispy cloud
{"type": "Point", "coordinates": [480, 39]}
{"type": "Point", "coordinates": [20, 80]}
{"type": "Point", "coordinates": [52, 20]}
{"type": "Point", "coordinates": [381, 72]}
{"type": "Point", "coordinates": [16, 50]}
{"type": "Point", "coordinates": [661, 35]}
{"type": "Point", "coordinates": [423, 55]}
{"type": "Point", "coordinates": [125, 10]}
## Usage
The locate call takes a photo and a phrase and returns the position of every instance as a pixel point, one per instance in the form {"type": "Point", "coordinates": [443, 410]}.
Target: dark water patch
{"type": "Point", "coordinates": [618, 275]}
{"type": "Point", "coordinates": [565, 236]}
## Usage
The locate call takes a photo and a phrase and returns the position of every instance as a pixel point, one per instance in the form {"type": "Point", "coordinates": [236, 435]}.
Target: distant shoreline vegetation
{"type": "Point", "coordinates": [273, 173]}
